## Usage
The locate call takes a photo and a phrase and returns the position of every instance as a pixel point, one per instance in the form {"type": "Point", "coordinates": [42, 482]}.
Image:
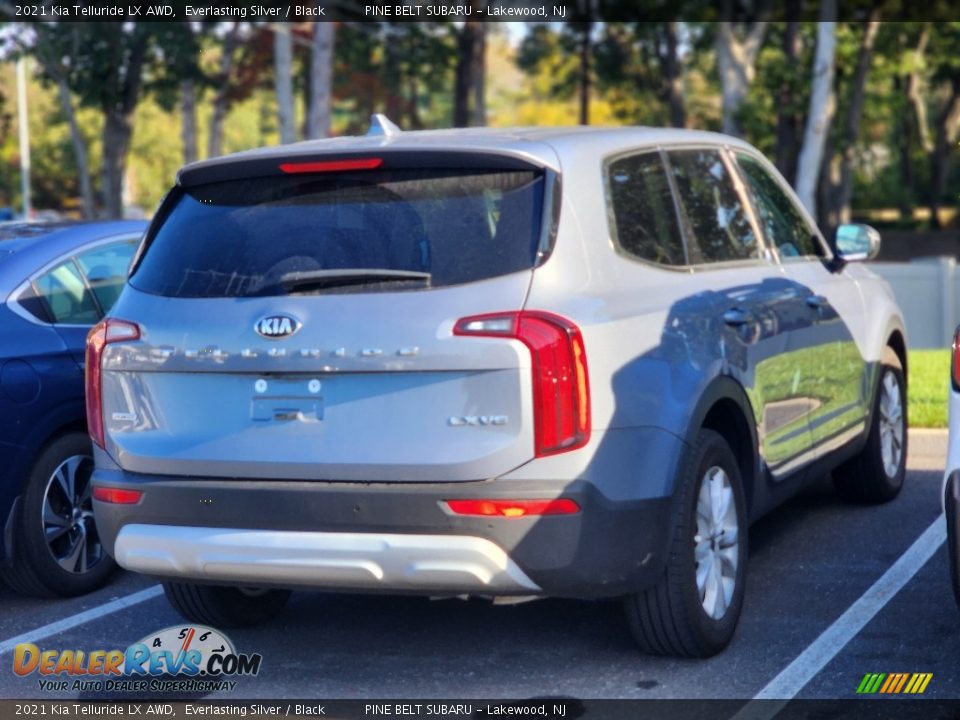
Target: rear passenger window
{"type": "Point", "coordinates": [644, 219]}
{"type": "Point", "coordinates": [67, 296]}
{"type": "Point", "coordinates": [781, 219]}
{"type": "Point", "coordinates": [717, 222]}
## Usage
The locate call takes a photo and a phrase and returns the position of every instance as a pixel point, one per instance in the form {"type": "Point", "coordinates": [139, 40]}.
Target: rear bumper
{"type": "Point", "coordinates": [367, 561]}
{"type": "Point", "coordinates": [396, 537]}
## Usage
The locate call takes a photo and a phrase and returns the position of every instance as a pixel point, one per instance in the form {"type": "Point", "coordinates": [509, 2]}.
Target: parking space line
{"type": "Point", "coordinates": [794, 677]}
{"type": "Point", "coordinates": [81, 618]}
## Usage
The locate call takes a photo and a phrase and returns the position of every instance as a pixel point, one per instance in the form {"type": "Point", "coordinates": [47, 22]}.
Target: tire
{"type": "Point", "coordinates": [56, 547]}
{"type": "Point", "coordinates": [876, 474]}
{"type": "Point", "coordinates": [687, 613]}
{"type": "Point", "coordinates": [224, 607]}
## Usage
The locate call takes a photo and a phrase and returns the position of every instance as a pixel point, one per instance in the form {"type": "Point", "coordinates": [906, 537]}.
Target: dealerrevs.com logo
{"type": "Point", "coordinates": [191, 658]}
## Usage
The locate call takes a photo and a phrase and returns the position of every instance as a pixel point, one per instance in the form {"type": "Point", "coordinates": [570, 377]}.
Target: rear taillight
{"type": "Point", "coordinates": [561, 390]}
{"type": "Point", "coordinates": [100, 335]}
{"type": "Point", "coordinates": [513, 508]}
{"type": "Point", "coordinates": [117, 496]}
{"type": "Point", "coordinates": [955, 361]}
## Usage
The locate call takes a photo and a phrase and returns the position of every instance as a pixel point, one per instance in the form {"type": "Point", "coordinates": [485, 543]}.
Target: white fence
{"type": "Point", "coordinates": [927, 291]}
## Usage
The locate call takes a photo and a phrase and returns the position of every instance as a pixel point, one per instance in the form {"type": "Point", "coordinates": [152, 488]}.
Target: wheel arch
{"type": "Point", "coordinates": [898, 343]}
{"type": "Point", "coordinates": [725, 408]}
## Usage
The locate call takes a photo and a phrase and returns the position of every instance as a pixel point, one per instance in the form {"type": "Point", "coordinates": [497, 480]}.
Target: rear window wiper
{"type": "Point", "coordinates": [349, 276]}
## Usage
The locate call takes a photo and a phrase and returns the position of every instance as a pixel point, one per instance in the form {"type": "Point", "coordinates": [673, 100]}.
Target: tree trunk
{"type": "Point", "coordinates": [838, 210]}
{"type": "Point", "coordinates": [788, 121]}
{"type": "Point", "coordinates": [912, 124]}
{"type": "Point", "coordinates": [116, 143]}
{"type": "Point", "coordinates": [321, 80]}
{"type": "Point", "coordinates": [585, 52]}
{"type": "Point", "coordinates": [283, 78]}
{"type": "Point", "coordinates": [393, 75]}
{"type": "Point", "coordinates": [188, 123]}
{"type": "Point", "coordinates": [478, 74]}
{"type": "Point", "coordinates": [736, 62]}
{"type": "Point", "coordinates": [673, 77]}
{"type": "Point", "coordinates": [948, 124]}
{"type": "Point", "coordinates": [222, 96]}
{"type": "Point", "coordinates": [821, 107]}
{"type": "Point", "coordinates": [79, 148]}
{"type": "Point", "coordinates": [462, 80]}
{"type": "Point", "coordinates": [914, 92]}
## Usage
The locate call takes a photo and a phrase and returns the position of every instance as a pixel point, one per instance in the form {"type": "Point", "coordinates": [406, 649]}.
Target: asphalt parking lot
{"type": "Point", "coordinates": [813, 567]}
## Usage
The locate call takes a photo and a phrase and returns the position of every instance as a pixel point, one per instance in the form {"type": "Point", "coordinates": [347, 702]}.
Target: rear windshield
{"type": "Point", "coordinates": [292, 234]}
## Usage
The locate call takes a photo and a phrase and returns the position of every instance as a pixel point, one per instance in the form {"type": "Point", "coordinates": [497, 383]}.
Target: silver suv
{"type": "Point", "coordinates": [539, 362]}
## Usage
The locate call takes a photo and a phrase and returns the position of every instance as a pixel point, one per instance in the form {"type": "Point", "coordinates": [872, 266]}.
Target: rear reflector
{"type": "Point", "coordinates": [332, 166]}
{"type": "Point", "coordinates": [513, 508]}
{"type": "Point", "coordinates": [117, 496]}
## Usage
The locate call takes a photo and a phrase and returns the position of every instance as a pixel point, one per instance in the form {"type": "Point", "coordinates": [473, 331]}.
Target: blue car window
{"type": "Point", "coordinates": [106, 270]}
{"type": "Point", "coordinates": [67, 296]}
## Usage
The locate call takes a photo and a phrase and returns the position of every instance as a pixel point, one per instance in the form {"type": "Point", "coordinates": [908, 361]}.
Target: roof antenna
{"type": "Point", "coordinates": [380, 124]}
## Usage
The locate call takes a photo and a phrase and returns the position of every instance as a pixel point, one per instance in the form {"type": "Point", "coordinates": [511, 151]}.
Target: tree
{"type": "Point", "coordinates": [283, 80]}
{"type": "Point", "coordinates": [822, 101]}
{"type": "Point", "coordinates": [469, 76]}
{"type": "Point", "coordinates": [672, 74]}
{"type": "Point", "coordinates": [109, 66]}
{"type": "Point", "coordinates": [221, 83]}
{"type": "Point", "coordinates": [54, 71]}
{"type": "Point", "coordinates": [838, 181]}
{"type": "Point", "coordinates": [736, 61]}
{"type": "Point", "coordinates": [789, 116]}
{"type": "Point", "coordinates": [946, 100]}
{"type": "Point", "coordinates": [321, 80]}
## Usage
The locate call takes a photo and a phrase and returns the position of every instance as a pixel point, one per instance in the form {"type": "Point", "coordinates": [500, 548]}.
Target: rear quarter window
{"type": "Point", "coordinates": [643, 215]}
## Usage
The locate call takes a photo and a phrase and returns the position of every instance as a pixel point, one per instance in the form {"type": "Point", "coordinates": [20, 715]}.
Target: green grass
{"type": "Point", "coordinates": [929, 379]}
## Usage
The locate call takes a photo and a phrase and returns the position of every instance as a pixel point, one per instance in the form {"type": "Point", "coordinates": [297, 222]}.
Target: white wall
{"type": "Point", "coordinates": [926, 290]}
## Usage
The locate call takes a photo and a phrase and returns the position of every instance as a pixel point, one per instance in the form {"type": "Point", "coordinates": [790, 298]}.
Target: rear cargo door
{"type": "Point", "coordinates": [300, 326]}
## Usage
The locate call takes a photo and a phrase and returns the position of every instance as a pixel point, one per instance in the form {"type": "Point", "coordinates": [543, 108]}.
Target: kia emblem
{"type": "Point", "coordinates": [277, 326]}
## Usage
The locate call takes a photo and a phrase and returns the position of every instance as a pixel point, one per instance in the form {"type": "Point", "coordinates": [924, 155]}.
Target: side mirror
{"type": "Point", "coordinates": [856, 243]}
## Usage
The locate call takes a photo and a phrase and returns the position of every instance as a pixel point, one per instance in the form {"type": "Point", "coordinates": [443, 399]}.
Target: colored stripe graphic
{"type": "Point", "coordinates": [903, 681]}
{"type": "Point", "coordinates": [894, 683]}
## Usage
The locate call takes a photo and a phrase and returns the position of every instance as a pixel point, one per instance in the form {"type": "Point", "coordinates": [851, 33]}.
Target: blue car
{"type": "Point", "coordinates": [56, 281]}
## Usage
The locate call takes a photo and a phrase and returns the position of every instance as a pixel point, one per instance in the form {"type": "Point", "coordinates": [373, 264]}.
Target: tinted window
{"type": "Point", "coordinates": [250, 237]}
{"type": "Point", "coordinates": [782, 222]}
{"type": "Point", "coordinates": [644, 217]}
{"type": "Point", "coordinates": [66, 295]}
{"type": "Point", "coordinates": [716, 219]}
{"type": "Point", "coordinates": [106, 270]}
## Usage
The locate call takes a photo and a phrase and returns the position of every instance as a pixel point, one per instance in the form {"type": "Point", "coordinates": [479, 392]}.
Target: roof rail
{"type": "Point", "coordinates": [380, 124]}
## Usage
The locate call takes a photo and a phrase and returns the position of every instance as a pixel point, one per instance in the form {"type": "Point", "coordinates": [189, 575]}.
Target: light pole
{"type": "Point", "coordinates": [24, 135]}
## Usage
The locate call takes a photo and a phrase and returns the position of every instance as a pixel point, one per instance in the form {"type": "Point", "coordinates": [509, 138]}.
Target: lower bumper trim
{"type": "Point", "coordinates": [334, 560]}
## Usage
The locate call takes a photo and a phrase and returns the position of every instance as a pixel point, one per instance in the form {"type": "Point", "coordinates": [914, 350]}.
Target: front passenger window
{"type": "Point", "coordinates": [782, 222]}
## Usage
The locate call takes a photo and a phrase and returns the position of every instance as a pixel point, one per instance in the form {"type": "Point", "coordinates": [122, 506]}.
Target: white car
{"type": "Point", "coordinates": [951, 477]}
